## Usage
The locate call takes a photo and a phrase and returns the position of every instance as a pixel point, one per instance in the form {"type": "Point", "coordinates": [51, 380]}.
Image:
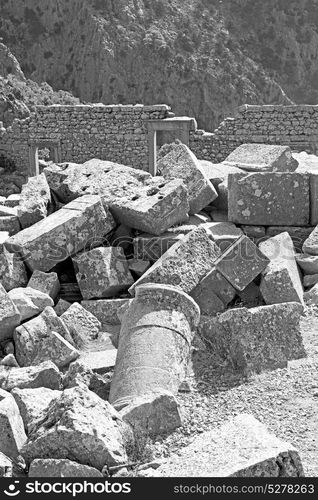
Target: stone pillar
{"type": "Point", "coordinates": [154, 344]}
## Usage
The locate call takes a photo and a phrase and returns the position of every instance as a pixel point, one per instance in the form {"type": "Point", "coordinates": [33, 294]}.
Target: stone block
{"type": "Point", "coordinates": [223, 233]}
{"type": "Point", "coordinates": [102, 272]}
{"type": "Point", "coordinates": [242, 447]}
{"type": "Point", "coordinates": [12, 435]}
{"type": "Point", "coordinates": [106, 311]}
{"type": "Point", "coordinates": [43, 375]}
{"type": "Point", "coordinates": [280, 280]}
{"type": "Point", "coordinates": [10, 317]}
{"type": "Point", "coordinates": [54, 467]}
{"type": "Point", "coordinates": [311, 296]}
{"type": "Point", "coordinates": [13, 200]}
{"type": "Point", "coordinates": [9, 360]}
{"type": "Point", "coordinates": [13, 273]}
{"type": "Point", "coordinates": [80, 425]}
{"type": "Point", "coordinates": [218, 215]}
{"type": "Point", "coordinates": [29, 302]}
{"type": "Point", "coordinates": [256, 339]}
{"type": "Point", "coordinates": [4, 235]}
{"type": "Point", "coordinates": [310, 280]}
{"type": "Point", "coordinates": [254, 232]}
{"type": "Point", "coordinates": [82, 325]}
{"type": "Point", "coordinates": [241, 263]}
{"type": "Point", "coordinates": [32, 403]}
{"type": "Point", "coordinates": [62, 234]}
{"type": "Point", "coordinates": [44, 338]}
{"type": "Point", "coordinates": [307, 263]}
{"type": "Point", "coordinates": [217, 172]}
{"type": "Point", "coordinates": [101, 361]}
{"type": "Point", "coordinates": [181, 163]}
{"type": "Point", "coordinates": [265, 199]}
{"type": "Point", "coordinates": [11, 224]}
{"type": "Point", "coordinates": [151, 247]}
{"type": "Point", "coordinates": [80, 373]}
{"type": "Point", "coordinates": [138, 267]}
{"type": "Point", "coordinates": [213, 293]}
{"type": "Point", "coordinates": [310, 246]}
{"type": "Point", "coordinates": [262, 158]}
{"type": "Point", "coordinates": [34, 200]}
{"type": "Point", "coordinates": [45, 282]}
{"type": "Point", "coordinates": [184, 264]}
{"type": "Point", "coordinates": [298, 234]}
{"type": "Point", "coordinates": [61, 306]}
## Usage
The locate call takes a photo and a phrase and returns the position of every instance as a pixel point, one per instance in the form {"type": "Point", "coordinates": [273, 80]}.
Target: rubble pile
{"type": "Point", "coordinates": [107, 275]}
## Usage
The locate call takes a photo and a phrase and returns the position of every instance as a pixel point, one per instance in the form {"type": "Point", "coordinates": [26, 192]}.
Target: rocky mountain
{"type": "Point", "coordinates": [203, 57]}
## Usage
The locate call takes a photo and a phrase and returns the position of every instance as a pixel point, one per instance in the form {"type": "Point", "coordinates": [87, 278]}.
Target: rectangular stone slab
{"type": "Point", "coordinates": [64, 233]}
{"type": "Point", "coordinates": [241, 263]}
{"type": "Point", "coordinates": [269, 199]}
{"type": "Point", "coordinates": [184, 264]}
{"type": "Point", "coordinates": [281, 280]}
{"type": "Point", "coordinates": [242, 447]}
{"type": "Point", "coordinates": [262, 158]}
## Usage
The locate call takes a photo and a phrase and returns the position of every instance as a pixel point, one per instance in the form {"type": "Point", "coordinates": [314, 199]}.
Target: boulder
{"type": "Point", "coordinates": [29, 302]}
{"type": "Point", "coordinates": [280, 280]}
{"type": "Point", "coordinates": [34, 200]}
{"type": "Point", "coordinates": [9, 315]}
{"type": "Point", "coordinates": [53, 467]}
{"type": "Point", "coordinates": [82, 325]}
{"type": "Point", "coordinates": [262, 158]}
{"type": "Point", "coordinates": [33, 402]}
{"type": "Point", "coordinates": [184, 264]}
{"type": "Point", "coordinates": [181, 163]}
{"type": "Point", "coordinates": [242, 447]}
{"type": "Point", "coordinates": [102, 272]}
{"type": "Point", "coordinates": [43, 375]}
{"type": "Point", "coordinates": [267, 199]}
{"type": "Point", "coordinates": [45, 282]}
{"type": "Point", "coordinates": [12, 435]}
{"type": "Point", "coordinates": [79, 426]}
{"type": "Point", "coordinates": [63, 233]}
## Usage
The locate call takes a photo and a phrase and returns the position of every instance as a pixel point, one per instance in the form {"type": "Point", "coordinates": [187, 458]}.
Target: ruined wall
{"type": "Point", "coordinates": [117, 133]}
{"type": "Point", "coordinates": [294, 126]}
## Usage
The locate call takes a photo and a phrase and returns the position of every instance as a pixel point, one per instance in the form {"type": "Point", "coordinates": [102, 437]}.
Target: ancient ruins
{"type": "Point", "coordinates": [116, 263]}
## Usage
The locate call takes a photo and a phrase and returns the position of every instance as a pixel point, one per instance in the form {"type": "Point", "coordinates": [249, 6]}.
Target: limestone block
{"type": "Point", "coordinates": [12, 435]}
{"type": "Point", "coordinates": [32, 403]}
{"type": "Point", "coordinates": [181, 163]}
{"type": "Point", "coordinates": [213, 293]}
{"type": "Point", "coordinates": [80, 373]}
{"type": "Point", "coordinates": [9, 315]}
{"type": "Point", "coordinates": [153, 415]}
{"type": "Point", "coordinates": [43, 338]}
{"type": "Point", "coordinates": [217, 172]}
{"type": "Point", "coordinates": [34, 200]}
{"type": "Point", "coordinates": [106, 311]}
{"type": "Point", "coordinates": [11, 224]}
{"type": "Point", "coordinates": [4, 235]}
{"type": "Point", "coordinates": [45, 282]}
{"type": "Point", "coordinates": [102, 272]}
{"type": "Point", "coordinates": [184, 264]}
{"type": "Point", "coordinates": [43, 375]}
{"type": "Point", "coordinates": [298, 234]}
{"type": "Point", "coordinates": [241, 263]}
{"type": "Point", "coordinates": [61, 306]}
{"type": "Point", "coordinates": [80, 425]}
{"type": "Point", "coordinates": [310, 246]}
{"type": "Point", "coordinates": [12, 271]}
{"type": "Point", "coordinates": [223, 233]}
{"type": "Point", "coordinates": [53, 467]}
{"type": "Point", "coordinates": [267, 199]}
{"type": "Point", "coordinates": [151, 247]}
{"type": "Point", "coordinates": [9, 360]}
{"type": "Point", "coordinates": [256, 339]}
{"type": "Point", "coordinates": [262, 158]}
{"type": "Point", "coordinates": [242, 447]}
{"type": "Point", "coordinates": [310, 280]}
{"type": "Point", "coordinates": [101, 361]}
{"type": "Point", "coordinates": [29, 302]}
{"type": "Point", "coordinates": [62, 233]}
{"type": "Point", "coordinates": [82, 325]}
{"type": "Point", "coordinates": [311, 297]}
{"type": "Point", "coordinates": [280, 280]}
{"type": "Point", "coordinates": [307, 263]}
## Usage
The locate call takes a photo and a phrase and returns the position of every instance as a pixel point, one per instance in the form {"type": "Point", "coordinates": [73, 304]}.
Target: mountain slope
{"type": "Point", "coordinates": [203, 57]}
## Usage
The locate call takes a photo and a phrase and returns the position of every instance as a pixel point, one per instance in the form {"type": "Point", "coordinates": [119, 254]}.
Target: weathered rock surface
{"type": "Point", "coordinates": [281, 280]}
{"type": "Point", "coordinates": [184, 264]}
{"type": "Point", "coordinates": [62, 233]}
{"type": "Point", "coordinates": [262, 158]}
{"type": "Point", "coordinates": [102, 272]}
{"type": "Point", "coordinates": [29, 301]}
{"type": "Point", "coordinates": [310, 246]}
{"type": "Point", "coordinates": [298, 234]}
{"type": "Point", "coordinates": [34, 200]}
{"type": "Point", "coordinates": [213, 293]}
{"type": "Point", "coordinates": [311, 297]}
{"type": "Point", "coordinates": [80, 373]}
{"type": "Point", "coordinates": [241, 263]}
{"type": "Point", "coordinates": [267, 199]}
{"type": "Point", "coordinates": [105, 310]}
{"type": "Point", "coordinates": [242, 447]}
{"type": "Point", "coordinates": [310, 280]}
{"type": "Point", "coordinates": [52, 467]}
{"type": "Point", "coordinates": [9, 315]}
{"type": "Point", "coordinates": [181, 163]}
{"type": "Point", "coordinates": [33, 402]}
{"type": "Point", "coordinates": [12, 271]}
{"type": "Point", "coordinates": [43, 375]}
{"type": "Point", "coordinates": [4, 235]}
{"type": "Point", "coordinates": [82, 325]}
{"type": "Point", "coordinates": [12, 435]}
{"type": "Point", "coordinates": [79, 426]}
{"type": "Point", "coordinates": [10, 223]}
{"type": "Point", "coordinates": [257, 339]}
{"type": "Point", "coordinates": [307, 263]}
{"type": "Point", "coordinates": [45, 282]}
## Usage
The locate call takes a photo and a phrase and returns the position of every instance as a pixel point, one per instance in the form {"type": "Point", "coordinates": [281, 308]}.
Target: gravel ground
{"type": "Point", "coordinates": [285, 400]}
